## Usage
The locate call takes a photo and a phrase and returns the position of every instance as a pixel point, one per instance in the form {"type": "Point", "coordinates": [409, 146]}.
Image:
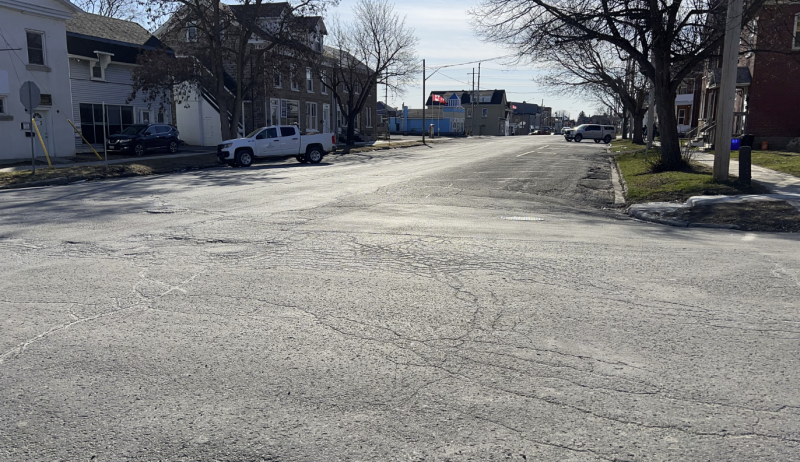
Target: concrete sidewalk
{"type": "Point", "coordinates": [777, 182]}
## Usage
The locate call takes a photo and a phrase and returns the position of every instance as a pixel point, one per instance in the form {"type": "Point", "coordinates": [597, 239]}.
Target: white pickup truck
{"type": "Point", "coordinates": [275, 141]}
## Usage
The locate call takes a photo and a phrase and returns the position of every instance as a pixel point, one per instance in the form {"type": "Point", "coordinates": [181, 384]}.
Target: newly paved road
{"type": "Point", "coordinates": [471, 301]}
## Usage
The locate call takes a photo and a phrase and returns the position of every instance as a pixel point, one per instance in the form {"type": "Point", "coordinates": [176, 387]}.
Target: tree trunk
{"type": "Point", "coordinates": [668, 127]}
{"type": "Point", "coordinates": [665, 106]}
{"type": "Point", "coordinates": [625, 126]}
{"type": "Point", "coordinates": [351, 129]}
{"type": "Point", "coordinates": [224, 123]}
{"type": "Point", "coordinates": [638, 125]}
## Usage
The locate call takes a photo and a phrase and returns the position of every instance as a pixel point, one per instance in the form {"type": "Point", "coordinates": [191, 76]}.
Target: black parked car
{"type": "Point", "coordinates": [139, 138]}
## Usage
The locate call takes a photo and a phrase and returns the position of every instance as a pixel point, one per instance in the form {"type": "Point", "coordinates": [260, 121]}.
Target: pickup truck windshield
{"type": "Point", "coordinates": [253, 133]}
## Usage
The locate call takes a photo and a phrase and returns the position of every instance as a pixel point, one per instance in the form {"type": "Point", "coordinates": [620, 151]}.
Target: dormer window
{"type": "Point", "coordinates": [98, 66]}
{"type": "Point", "coordinates": [191, 33]}
{"type": "Point", "coordinates": [796, 41]}
{"type": "Point", "coordinates": [97, 71]}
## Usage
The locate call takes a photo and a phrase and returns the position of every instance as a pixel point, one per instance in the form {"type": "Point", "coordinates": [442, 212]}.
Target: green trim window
{"type": "Point", "coordinates": [117, 118]}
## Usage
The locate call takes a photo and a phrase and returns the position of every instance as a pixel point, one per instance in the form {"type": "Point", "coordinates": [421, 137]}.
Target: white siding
{"type": "Point", "coordinates": [116, 90]}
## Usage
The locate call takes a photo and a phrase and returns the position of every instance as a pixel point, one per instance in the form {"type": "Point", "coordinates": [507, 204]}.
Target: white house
{"type": "Point", "coordinates": [102, 54]}
{"type": "Point", "coordinates": [33, 40]}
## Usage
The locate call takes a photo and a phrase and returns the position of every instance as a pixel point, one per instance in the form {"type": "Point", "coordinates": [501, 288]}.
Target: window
{"type": "Point", "coordinates": [796, 44]}
{"type": "Point", "coordinates": [274, 119]}
{"type": "Point", "coordinates": [293, 80]}
{"type": "Point", "coordinates": [144, 116]}
{"type": "Point", "coordinates": [191, 33]}
{"type": "Point", "coordinates": [681, 116]}
{"type": "Point", "coordinates": [322, 88]}
{"type": "Point", "coordinates": [309, 81]}
{"type": "Point", "coordinates": [160, 118]}
{"type": "Point", "coordinates": [118, 118]}
{"type": "Point", "coordinates": [311, 116]}
{"type": "Point", "coordinates": [35, 47]}
{"type": "Point", "coordinates": [288, 131]}
{"type": "Point", "coordinates": [3, 105]}
{"type": "Point", "coordinates": [271, 133]}
{"type": "Point", "coordinates": [292, 112]}
{"type": "Point", "coordinates": [97, 71]}
{"type": "Point", "coordinates": [357, 87]}
{"type": "Point", "coordinates": [484, 113]}
{"type": "Point", "coordinates": [276, 78]}
{"type": "Point", "coordinates": [369, 118]}
{"type": "Point", "coordinates": [356, 121]}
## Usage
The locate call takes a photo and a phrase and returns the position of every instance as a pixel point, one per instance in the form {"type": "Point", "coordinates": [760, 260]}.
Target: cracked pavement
{"type": "Point", "coordinates": [473, 300]}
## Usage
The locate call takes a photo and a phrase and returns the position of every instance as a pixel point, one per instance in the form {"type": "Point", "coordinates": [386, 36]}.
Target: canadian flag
{"type": "Point", "coordinates": [438, 99]}
{"type": "Point", "coordinates": [513, 107]}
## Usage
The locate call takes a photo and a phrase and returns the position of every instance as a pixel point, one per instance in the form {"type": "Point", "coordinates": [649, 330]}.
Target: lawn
{"type": "Point", "coordinates": [644, 186]}
{"type": "Point", "coordinates": [787, 162]}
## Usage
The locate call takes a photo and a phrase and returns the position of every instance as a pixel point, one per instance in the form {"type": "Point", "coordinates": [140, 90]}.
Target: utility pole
{"type": "Point", "coordinates": [472, 100]}
{"type": "Point", "coordinates": [424, 100]}
{"type": "Point", "coordinates": [386, 109]}
{"type": "Point", "coordinates": [727, 91]}
{"type": "Point", "coordinates": [479, 94]}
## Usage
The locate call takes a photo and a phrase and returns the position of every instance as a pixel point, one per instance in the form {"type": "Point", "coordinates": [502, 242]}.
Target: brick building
{"type": "Point", "coordinates": [767, 88]}
{"type": "Point", "coordinates": [290, 93]}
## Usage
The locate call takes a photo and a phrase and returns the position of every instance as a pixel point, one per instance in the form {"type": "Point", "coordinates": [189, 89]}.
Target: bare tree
{"type": "Point", "coordinates": [120, 9]}
{"type": "Point", "coordinates": [376, 47]}
{"type": "Point", "coordinates": [666, 38]}
{"type": "Point", "coordinates": [229, 51]}
{"type": "Point", "coordinates": [603, 75]}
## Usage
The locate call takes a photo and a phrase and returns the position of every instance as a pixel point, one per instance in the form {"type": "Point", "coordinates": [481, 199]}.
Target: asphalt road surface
{"type": "Point", "coordinates": [475, 300]}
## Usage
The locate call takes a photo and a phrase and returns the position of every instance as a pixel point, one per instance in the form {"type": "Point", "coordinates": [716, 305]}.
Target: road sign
{"type": "Point", "coordinates": [30, 96]}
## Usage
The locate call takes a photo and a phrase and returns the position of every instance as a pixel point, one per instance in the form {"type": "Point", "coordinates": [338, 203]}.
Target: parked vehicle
{"type": "Point", "coordinates": [276, 141]}
{"type": "Point", "coordinates": [564, 130]}
{"type": "Point", "coordinates": [598, 133]}
{"type": "Point", "coordinates": [139, 138]}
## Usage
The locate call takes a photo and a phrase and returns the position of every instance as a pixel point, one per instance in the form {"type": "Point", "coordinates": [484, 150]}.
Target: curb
{"type": "Point", "coordinates": [619, 184]}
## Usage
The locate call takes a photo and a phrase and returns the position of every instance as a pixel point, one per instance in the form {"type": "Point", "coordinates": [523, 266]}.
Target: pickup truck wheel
{"type": "Point", "coordinates": [301, 158]}
{"type": "Point", "coordinates": [607, 139]}
{"type": "Point", "coordinates": [314, 155]}
{"type": "Point", "coordinates": [244, 158]}
{"type": "Point", "coordinates": [578, 138]}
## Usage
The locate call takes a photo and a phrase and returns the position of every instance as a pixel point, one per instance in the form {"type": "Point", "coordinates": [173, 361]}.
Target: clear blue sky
{"type": "Point", "coordinates": [447, 38]}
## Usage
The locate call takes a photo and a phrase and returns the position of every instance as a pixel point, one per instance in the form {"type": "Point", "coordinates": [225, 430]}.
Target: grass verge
{"type": "Point", "coordinates": [146, 166]}
{"type": "Point", "coordinates": [644, 186]}
{"type": "Point", "coordinates": [786, 162]}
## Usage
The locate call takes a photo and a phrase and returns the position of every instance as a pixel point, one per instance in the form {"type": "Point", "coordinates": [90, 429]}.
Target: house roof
{"type": "Point", "coordinates": [264, 10]}
{"type": "Point", "coordinates": [496, 96]}
{"type": "Point", "coordinates": [118, 30]}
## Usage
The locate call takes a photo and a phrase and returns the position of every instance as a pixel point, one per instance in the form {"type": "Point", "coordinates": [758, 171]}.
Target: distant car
{"type": "Point", "coordinates": [598, 133]}
{"type": "Point", "coordinates": [139, 138]}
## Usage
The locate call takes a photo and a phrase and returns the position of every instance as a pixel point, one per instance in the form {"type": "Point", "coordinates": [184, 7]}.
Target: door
{"type": "Point", "coordinates": [326, 118]}
{"type": "Point", "coordinates": [290, 141]}
{"type": "Point", "coordinates": [145, 116]}
{"type": "Point", "coordinates": [268, 143]}
{"type": "Point", "coordinates": [41, 123]}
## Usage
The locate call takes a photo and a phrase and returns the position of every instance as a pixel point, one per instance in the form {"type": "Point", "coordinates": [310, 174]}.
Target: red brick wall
{"type": "Point", "coordinates": [774, 104]}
